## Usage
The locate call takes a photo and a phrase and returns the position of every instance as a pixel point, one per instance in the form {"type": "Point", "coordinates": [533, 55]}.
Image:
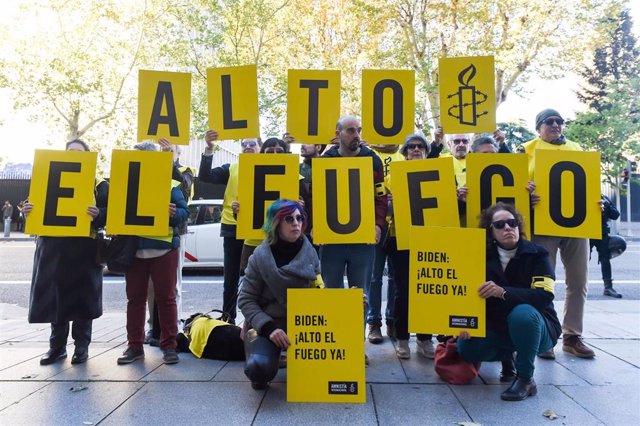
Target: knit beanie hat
{"type": "Point", "coordinates": [544, 114]}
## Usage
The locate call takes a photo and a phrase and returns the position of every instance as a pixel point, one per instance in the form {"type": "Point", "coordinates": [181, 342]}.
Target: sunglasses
{"type": "Point", "coordinates": [412, 146]}
{"type": "Point", "coordinates": [460, 141]}
{"type": "Point", "coordinates": [248, 144]}
{"type": "Point", "coordinates": [500, 224]}
{"type": "Point", "coordinates": [298, 218]}
{"type": "Point", "coordinates": [551, 121]}
{"type": "Point", "coordinates": [274, 151]}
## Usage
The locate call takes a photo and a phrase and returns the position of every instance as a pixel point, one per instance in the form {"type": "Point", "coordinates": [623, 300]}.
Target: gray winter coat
{"type": "Point", "coordinates": [263, 292]}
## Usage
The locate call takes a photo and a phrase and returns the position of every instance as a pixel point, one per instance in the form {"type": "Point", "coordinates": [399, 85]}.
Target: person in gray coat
{"type": "Point", "coordinates": [285, 259]}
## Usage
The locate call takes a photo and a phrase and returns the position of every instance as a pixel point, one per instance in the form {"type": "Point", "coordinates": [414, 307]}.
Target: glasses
{"type": "Point", "coordinates": [274, 151]}
{"type": "Point", "coordinates": [413, 146]}
{"type": "Point", "coordinates": [500, 224]}
{"type": "Point", "coordinates": [461, 141]}
{"type": "Point", "coordinates": [552, 121]}
{"type": "Point", "coordinates": [248, 144]}
{"type": "Point", "coordinates": [298, 218]}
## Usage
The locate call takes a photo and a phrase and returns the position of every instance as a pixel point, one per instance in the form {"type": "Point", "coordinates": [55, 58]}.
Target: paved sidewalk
{"type": "Point", "coordinates": [605, 390]}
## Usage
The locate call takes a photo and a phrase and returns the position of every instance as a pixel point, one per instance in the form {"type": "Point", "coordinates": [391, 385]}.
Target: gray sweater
{"type": "Point", "coordinates": [263, 289]}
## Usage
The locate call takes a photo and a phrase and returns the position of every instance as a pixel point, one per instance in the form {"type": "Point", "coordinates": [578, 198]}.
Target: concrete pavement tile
{"type": "Point", "coordinates": [103, 366]}
{"type": "Point", "coordinates": [384, 365]}
{"type": "Point", "coordinates": [13, 353]}
{"type": "Point", "coordinates": [24, 360]}
{"type": "Point", "coordinates": [484, 406]}
{"type": "Point", "coordinates": [628, 350]}
{"type": "Point", "coordinates": [192, 403]}
{"type": "Point", "coordinates": [26, 332]}
{"type": "Point", "coordinates": [12, 392]}
{"type": "Point", "coordinates": [233, 371]}
{"type": "Point", "coordinates": [613, 404]}
{"type": "Point", "coordinates": [56, 404]}
{"type": "Point", "coordinates": [547, 372]}
{"type": "Point", "coordinates": [417, 404]}
{"type": "Point", "coordinates": [189, 369]}
{"type": "Point", "coordinates": [604, 369]}
{"type": "Point", "coordinates": [276, 411]}
{"type": "Point", "coordinates": [612, 325]}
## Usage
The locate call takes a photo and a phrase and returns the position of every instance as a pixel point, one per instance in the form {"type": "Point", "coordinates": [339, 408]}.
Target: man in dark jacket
{"type": "Point", "coordinates": [358, 258]}
{"type": "Point", "coordinates": [609, 212]}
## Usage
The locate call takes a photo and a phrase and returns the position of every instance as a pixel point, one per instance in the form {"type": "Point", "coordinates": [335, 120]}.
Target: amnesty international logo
{"type": "Point", "coordinates": [467, 94]}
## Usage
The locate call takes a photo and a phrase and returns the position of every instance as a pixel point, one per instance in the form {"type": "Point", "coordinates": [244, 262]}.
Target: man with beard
{"type": "Point", "coordinates": [357, 258]}
{"type": "Point", "coordinates": [574, 252]}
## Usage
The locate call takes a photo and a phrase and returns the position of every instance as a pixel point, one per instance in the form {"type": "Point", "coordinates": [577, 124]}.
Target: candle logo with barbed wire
{"type": "Point", "coordinates": [467, 94]}
{"type": "Point", "coordinates": [468, 98]}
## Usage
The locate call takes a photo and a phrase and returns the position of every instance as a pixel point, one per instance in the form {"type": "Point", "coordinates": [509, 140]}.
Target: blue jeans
{"type": "Point", "coordinates": [528, 335]}
{"type": "Point", "coordinates": [357, 258]}
{"type": "Point", "coordinates": [374, 288]}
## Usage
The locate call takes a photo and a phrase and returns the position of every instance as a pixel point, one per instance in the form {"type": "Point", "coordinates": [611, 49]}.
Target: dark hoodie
{"type": "Point", "coordinates": [378, 180]}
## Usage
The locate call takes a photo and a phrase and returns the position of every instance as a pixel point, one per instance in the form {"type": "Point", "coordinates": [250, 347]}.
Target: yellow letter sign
{"type": "Point", "coordinates": [139, 193]}
{"type": "Point", "coordinates": [325, 362]}
{"type": "Point", "coordinates": [61, 190]}
{"type": "Point", "coordinates": [164, 106]}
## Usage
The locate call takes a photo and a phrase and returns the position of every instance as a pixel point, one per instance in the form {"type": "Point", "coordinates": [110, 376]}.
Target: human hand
{"type": "Point", "coordinates": [461, 193]}
{"type": "Point", "coordinates": [26, 208]}
{"type": "Point", "coordinates": [235, 206]}
{"type": "Point", "coordinates": [464, 335]}
{"type": "Point", "coordinates": [172, 209]}
{"type": "Point", "coordinates": [210, 137]}
{"type": "Point", "coordinates": [490, 289]}
{"type": "Point", "coordinates": [378, 234]}
{"type": "Point", "coordinates": [165, 145]}
{"type": "Point", "coordinates": [280, 338]}
{"type": "Point", "coordinates": [499, 136]}
{"type": "Point", "coordinates": [531, 186]}
{"type": "Point", "coordinates": [438, 135]}
{"type": "Point", "coordinates": [288, 138]}
{"type": "Point", "coordinates": [93, 212]}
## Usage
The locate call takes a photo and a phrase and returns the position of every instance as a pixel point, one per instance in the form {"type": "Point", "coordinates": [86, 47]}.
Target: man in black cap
{"type": "Point", "coordinates": [574, 252]}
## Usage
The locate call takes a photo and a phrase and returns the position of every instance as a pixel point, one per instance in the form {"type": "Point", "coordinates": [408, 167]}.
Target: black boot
{"type": "Point", "coordinates": [520, 389]}
{"type": "Point", "coordinates": [508, 372]}
{"type": "Point", "coordinates": [609, 291]}
{"type": "Point", "coordinates": [53, 355]}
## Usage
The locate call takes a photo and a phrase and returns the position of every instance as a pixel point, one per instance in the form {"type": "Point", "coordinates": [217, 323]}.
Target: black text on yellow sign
{"type": "Point", "coordinates": [497, 177]}
{"type": "Point", "coordinates": [467, 94]}
{"type": "Point", "coordinates": [388, 105]}
{"type": "Point", "coordinates": [313, 105]}
{"type": "Point", "coordinates": [264, 178]}
{"type": "Point", "coordinates": [343, 200]}
{"type": "Point", "coordinates": [139, 193]}
{"type": "Point", "coordinates": [325, 362]}
{"type": "Point", "coordinates": [446, 267]}
{"type": "Point", "coordinates": [62, 187]}
{"type": "Point", "coordinates": [233, 102]}
{"type": "Point", "coordinates": [568, 183]}
{"type": "Point", "coordinates": [164, 106]}
{"type": "Point", "coordinates": [424, 193]}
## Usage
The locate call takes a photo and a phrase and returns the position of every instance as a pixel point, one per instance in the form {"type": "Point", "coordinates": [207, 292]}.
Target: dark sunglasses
{"type": "Point", "coordinates": [412, 146]}
{"type": "Point", "coordinates": [500, 224]}
{"type": "Point", "coordinates": [248, 144]}
{"type": "Point", "coordinates": [550, 121]}
{"type": "Point", "coordinates": [298, 218]}
{"type": "Point", "coordinates": [459, 141]}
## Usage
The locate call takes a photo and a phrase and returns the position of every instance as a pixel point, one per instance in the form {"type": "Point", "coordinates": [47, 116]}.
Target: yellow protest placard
{"type": "Point", "coordinates": [467, 94]}
{"type": "Point", "coordinates": [388, 105]}
{"type": "Point", "coordinates": [164, 106]}
{"type": "Point", "coordinates": [446, 267]}
{"type": "Point", "coordinates": [568, 183]}
{"type": "Point", "coordinates": [233, 102]}
{"type": "Point", "coordinates": [325, 362]}
{"type": "Point", "coordinates": [139, 193]}
{"type": "Point", "coordinates": [424, 193]}
{"type": "Point", "coordinates": [61, 190]}
{"type": "Point", "coordinates": [497, 177]}
{"type": "Point", "coordinates": [343, 200]}
{"type": "Point", "coordinates": [264, 178]}
{"type": "Point", "coordinates": [313, 105]}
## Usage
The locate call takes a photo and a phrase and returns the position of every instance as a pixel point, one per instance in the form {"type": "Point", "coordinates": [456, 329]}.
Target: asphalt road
{"type": "Point", "coordinates": [202, 290]}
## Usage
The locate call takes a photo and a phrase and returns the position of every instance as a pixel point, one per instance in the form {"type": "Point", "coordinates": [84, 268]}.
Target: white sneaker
{"type": "Point", "coordinates": [402, 349]}
{"type": "Point", "coordinates": [426, 349]}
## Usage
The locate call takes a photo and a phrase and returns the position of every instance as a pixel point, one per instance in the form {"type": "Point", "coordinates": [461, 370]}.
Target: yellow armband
{"type": "Point", "coordinates": [545, 283]}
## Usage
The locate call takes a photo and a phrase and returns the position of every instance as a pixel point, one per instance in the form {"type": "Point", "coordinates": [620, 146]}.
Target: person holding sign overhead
{"type": "Point", "coordinates": [156, 259]}
{"type": "Point", "coordinates": [67, 282]}
{"type": "Point", "coordinates": [285, 259]}
{"type": "Point", "coordinates": [519, 297]}
{"type": "Point", "coordinates": [574, 252]}
{"type": "Point", "coordinates": [227, 174]}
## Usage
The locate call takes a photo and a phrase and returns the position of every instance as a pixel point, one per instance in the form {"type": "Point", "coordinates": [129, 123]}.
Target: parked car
{"type": "Point", "coordinates": [204, 243]}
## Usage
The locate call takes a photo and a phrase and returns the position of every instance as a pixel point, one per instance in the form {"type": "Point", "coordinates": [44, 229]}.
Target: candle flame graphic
{"type": "Point", "coordinates": [471, 71]}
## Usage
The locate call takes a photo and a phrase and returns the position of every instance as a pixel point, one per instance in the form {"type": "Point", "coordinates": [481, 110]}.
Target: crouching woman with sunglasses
{"type": "Point", "coordinates": [285, 259]}
{"type": "Point", "coordinates": [519, 298]}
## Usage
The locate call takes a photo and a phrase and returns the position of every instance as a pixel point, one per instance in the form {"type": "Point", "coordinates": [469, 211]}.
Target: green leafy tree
{"type": "Point", "coordinates": [516, 133]}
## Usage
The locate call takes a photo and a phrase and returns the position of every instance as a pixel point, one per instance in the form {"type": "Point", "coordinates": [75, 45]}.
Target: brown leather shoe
{"type": "Point", "coordinates": [547, 355]}
{"type": "Point", "coordinates": [375, 335]}
{"type": "Point", "coordinates": [575, 346]}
